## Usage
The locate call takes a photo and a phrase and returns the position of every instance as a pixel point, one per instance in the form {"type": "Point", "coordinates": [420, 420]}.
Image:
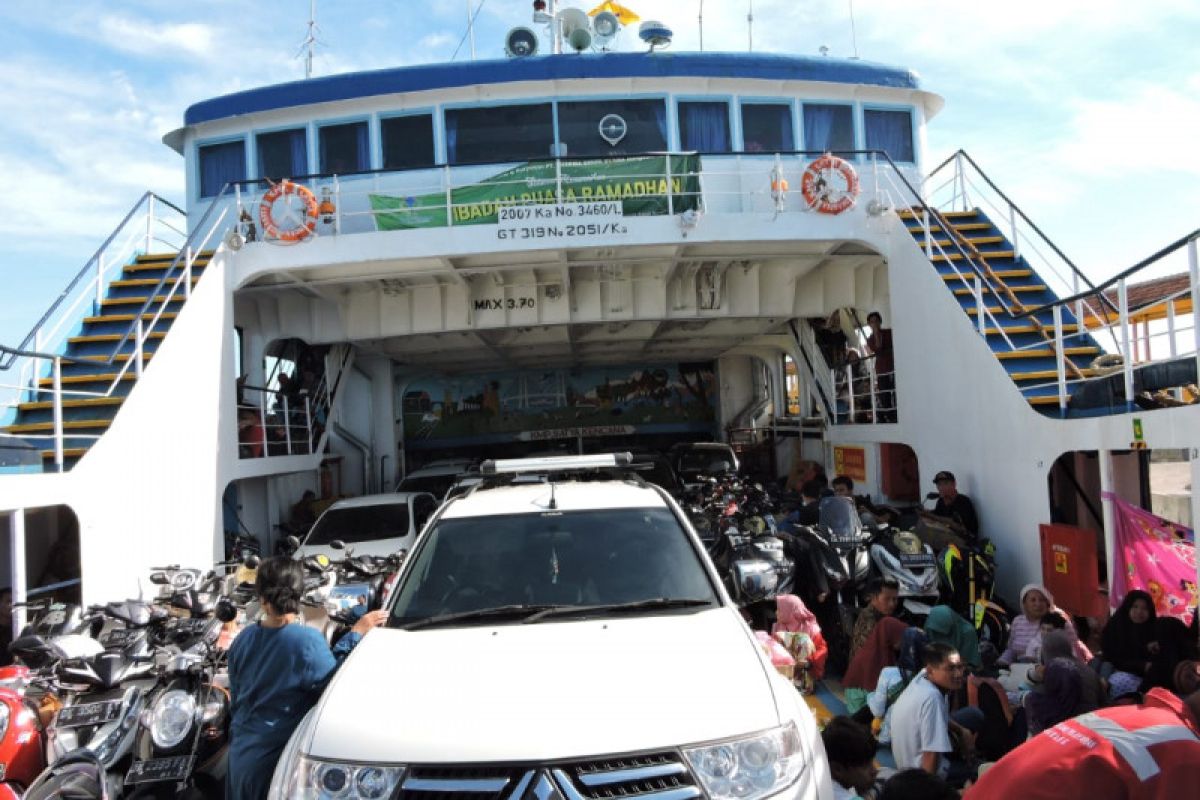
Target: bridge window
{"type": "Point", "coordinates": [498, 133]}
{"type": "Point", "coordinates": [704, 127]}
{"type": "Point", "coordinates": [282, 154]}
{"type": "Point", "coordinates": [407, 141]}
{"type": "Point", "coordinates": [220, 164]}
{"type": "Point", "coordinates": [890, 131]}
{"type": "Point", "coordinates": [344, 148]}
{"type": "Point", "coordinates": [767, 128]}
{"type": "Point", "coordinates": [613, 127]}
{"type": "Point", "coordinates": [828, 128]}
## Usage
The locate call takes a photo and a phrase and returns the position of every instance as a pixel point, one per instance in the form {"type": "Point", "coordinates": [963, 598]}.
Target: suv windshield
{"type": "Point", "coordinates": [575, 558]}
{"type": "Point", "coordinates": [360, 524]}
{"type": "Point", "coordinates": [709, 461]}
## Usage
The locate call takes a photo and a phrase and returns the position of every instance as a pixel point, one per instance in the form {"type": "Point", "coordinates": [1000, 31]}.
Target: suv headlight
{"type": "Point", "coordinates": [312, 779]}
{"type": "Point", "coordinates": [751, 767]}
{"type": "Point", "coordinates": [171, 718]}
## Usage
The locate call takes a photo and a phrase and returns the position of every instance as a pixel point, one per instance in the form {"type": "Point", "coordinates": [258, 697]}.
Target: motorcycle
{"type": "Point", "coordinates": [182, 743]}
{"type": "Point", "coordinates": [904, 558]}
{"type": "Point", "coordinates": [22, 743]}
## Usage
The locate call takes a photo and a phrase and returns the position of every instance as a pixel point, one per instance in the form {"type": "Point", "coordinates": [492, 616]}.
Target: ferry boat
{"type": "Point", "coordinates": [599, 250]}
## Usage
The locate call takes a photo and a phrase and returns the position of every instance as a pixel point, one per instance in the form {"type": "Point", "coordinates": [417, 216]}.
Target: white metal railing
{"type": "Point", "coordinates": [155, 221]}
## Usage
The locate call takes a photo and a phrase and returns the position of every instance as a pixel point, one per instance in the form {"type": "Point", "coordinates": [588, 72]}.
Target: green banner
{"type": "Point", "coordinates": [640, 184]}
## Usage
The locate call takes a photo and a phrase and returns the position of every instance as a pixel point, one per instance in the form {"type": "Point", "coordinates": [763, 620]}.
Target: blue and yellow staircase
{"type": "Point", "coordinates": [967, 242]}
{"type": "Point", "coordinates": [87, 417]}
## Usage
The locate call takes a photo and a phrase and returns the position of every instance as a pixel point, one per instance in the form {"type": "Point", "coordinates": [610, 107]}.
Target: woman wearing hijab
{"type": "Point", "coordinates": [944, 625]}
{"type": "Point", "coordinates": [1036, 602]}
{"type": "Point", "coordinates": [797, 629]}
{"type": "Point", "coordinates": [880, 650]}
{"type": "Point", "coordinates": [893, 680]}
{"type": "Point", "coordinates": [1129, 643]}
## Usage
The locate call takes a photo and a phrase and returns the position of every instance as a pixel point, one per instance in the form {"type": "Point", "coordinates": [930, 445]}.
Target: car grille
{"type": "Point", "coordinates": [652, 776]}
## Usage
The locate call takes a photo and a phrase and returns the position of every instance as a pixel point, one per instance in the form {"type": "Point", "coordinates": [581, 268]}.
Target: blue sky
{"type": "Point", "coordinates": [1085, 113]}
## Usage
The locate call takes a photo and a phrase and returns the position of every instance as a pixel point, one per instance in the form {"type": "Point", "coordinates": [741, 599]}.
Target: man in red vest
{"type": "Point", "coordinates": [1146, 752]}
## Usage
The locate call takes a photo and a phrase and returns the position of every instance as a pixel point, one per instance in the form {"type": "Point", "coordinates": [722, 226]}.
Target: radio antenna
{"type": "Point", "coordinates": [700, 18]}
{"type": "Point", "coordinates": [853, 31]}
{"type": "Point", "coordinates": [750, 24]}
{"type": "Point", "coordinates": [310, 40]}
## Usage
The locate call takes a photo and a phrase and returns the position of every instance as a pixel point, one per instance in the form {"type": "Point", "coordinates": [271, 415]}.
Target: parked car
{"type": "Point", "coordinates": [375, 525]}
{"type": "Point", "coordinates": [696, 460]}
{"type": "Point", "coordinates": [436, 477]}
{"type": "Point", "coordinates": [567, 637]}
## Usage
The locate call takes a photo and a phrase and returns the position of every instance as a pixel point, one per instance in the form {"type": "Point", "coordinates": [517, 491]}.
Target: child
{"type": "Point", "coordinates": [1051, 621]}
{"type": "Point", "coordinates": [798, 631]}
{"type": "Point", "coordinates": [277, 671]}
{"type": "Point", "coordinates": [850, 748]}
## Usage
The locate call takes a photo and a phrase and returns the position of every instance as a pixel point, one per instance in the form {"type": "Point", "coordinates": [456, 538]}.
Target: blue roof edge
{"type": "Point", "coordinates": [424, 77]}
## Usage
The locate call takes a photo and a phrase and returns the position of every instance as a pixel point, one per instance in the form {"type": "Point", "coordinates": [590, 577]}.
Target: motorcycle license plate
{"type": "Point", "coordinates": [917, 560]}
{"type": "Point", "coordinates": [173, 768]}
{"type": "Point", "coordinates": [89, 714]}
{"type": "Point", "coordinates": [120, 637]}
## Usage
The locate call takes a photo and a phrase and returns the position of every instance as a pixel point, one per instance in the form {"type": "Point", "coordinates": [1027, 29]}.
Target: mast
{"type": "Point", "coordinates": [311, 39]}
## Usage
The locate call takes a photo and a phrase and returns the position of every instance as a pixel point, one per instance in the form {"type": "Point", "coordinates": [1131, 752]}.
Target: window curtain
{"type": "Point", "coordinates": [220, 164]}
{"type": "Point", "coordinates": [891, 132]}
{"type": "Point", "coordinates": [818, 127]}
{"type": "Point", "coordinates": [363, 143]}
{"type": "Point", "coordinates": [660, 119]}
{"type": "Point", "coordinates": [451, 139]}
{"type": "Point", "coordinates": [298, 145]}
{"type": "Point", "coordinates": [706, 127]}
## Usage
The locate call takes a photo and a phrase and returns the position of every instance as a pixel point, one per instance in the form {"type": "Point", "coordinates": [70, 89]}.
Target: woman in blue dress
{"type": "Point", "coordinates": [277, 671]}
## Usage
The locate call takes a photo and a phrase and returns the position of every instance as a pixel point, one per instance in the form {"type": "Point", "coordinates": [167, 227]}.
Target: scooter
{"type": "Point", "coordinates": [22, 744]}
{"type": "Point", "coordinates": [903, 557]}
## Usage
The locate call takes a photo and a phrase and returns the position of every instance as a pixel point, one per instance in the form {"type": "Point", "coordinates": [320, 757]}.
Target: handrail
{"type": "Point", "coordinates": [88, 266]}
{"type": "Point", "coordinates": [184, 251]}
{"type": "Point", "coordinates": [1120, 276]}
{"type": "Point", "coordinates": [960, 153]}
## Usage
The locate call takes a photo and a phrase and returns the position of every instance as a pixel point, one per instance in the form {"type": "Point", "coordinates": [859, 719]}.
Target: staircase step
{"type": "Point", "coordinates": [110, 337]}
{"type": "Point", "coordinates": [1002, 274]}
{"type": "Point", "coordinates": [1068, 327]}
{"type": "Point", "coordinates": [137, 301]}
{"type": "Point", "coordinates": [962, 227]}
{"type": "Point", "coordinates": [132, 282]}
{"type": "Point", "coordinates": [48, 427]}
{"type": "Point", "coordinates": [168, 257]}
{"type": "Point", "coordinates": [1047, 353]}
{"type": "Point", "coordinates": [1043, 400]}
{"type": "Point", "coordinates": [91, 402]}
{"type": "Point", "coordinates": [909, 214]}
{"type": "Point", "coordinates": [959, 256]}
{"type": "Point", "coordinates": [1037, 287]}
{"type": "Point", "coordinates": [1049, 374]}
{"type": "Point", "coordinates": [73, 452]}
{"type": "Point", "coordinates": [119, 357]}
{"type": "Point", "coordinates": [103, 377]}
{"type": "Point", "coordinates": [166, 315]}
{"type": "Point", "coordinates": [977, 241]}
{"type": "Point", "coordinates": [163, 263]}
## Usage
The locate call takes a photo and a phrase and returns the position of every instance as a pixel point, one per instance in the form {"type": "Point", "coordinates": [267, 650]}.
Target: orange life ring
{"type": "Point", "coordinates": [300, 228]}
{"type": "Point", "coordinates": [829, 185]}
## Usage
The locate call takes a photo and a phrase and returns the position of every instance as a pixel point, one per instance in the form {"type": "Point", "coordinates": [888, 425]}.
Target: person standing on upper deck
{"type": "Point", "coordinates": [879, 344]}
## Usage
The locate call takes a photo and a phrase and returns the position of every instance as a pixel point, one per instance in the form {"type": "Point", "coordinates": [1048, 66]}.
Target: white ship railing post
{"type": "Point", "coordinates": [1060, 359]}
{"type": "Point", "coordinates": [850, 391]}
{"type": "Point", "coordinates": [1126, 353]}
{"type": "Point", "coordinates": [137, 347]}
{"type": "Point", "coordinates": [1194, 280]}
{"type": "Point", "coordinates": [187, 273]}
{"type": "Point", "coordinates": [1012, 224]}
{"type": "Point", "coordinates": [980, 310]}
{"type": "Point", "coordinates": [308, 421]}
{"type": "Point", "coordinates": [287, 424]}
{"type": "Point", "coordinates": [99, 283]}
{"type": "Point", "coordinates": [56, 405]}
{"type": "Point", "coordinates": [449, 195]}
{"type": "Point", "coordinates": [670, 186]}
{"type": "Point", "coordinates": [149, 222]}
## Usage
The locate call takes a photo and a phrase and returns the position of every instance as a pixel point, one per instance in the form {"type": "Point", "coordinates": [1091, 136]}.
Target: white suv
{"type": "Point", "coordinates": [558, 640]}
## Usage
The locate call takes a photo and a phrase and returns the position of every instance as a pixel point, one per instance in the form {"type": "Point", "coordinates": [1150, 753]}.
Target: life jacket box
{"type": "Point", "coordinates": [1071, 569]}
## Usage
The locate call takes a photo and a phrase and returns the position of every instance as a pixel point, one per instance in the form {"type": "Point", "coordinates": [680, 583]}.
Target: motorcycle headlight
{"type": "Point", "coordinates": [312, 779]}
{"type": "Point", "coordinates": [171, 718]}
{"type": "Point", "coordinates": [752, 767]}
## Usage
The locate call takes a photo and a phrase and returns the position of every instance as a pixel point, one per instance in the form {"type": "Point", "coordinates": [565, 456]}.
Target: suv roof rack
{"type": "Point", "coordinates": [515, 466]}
